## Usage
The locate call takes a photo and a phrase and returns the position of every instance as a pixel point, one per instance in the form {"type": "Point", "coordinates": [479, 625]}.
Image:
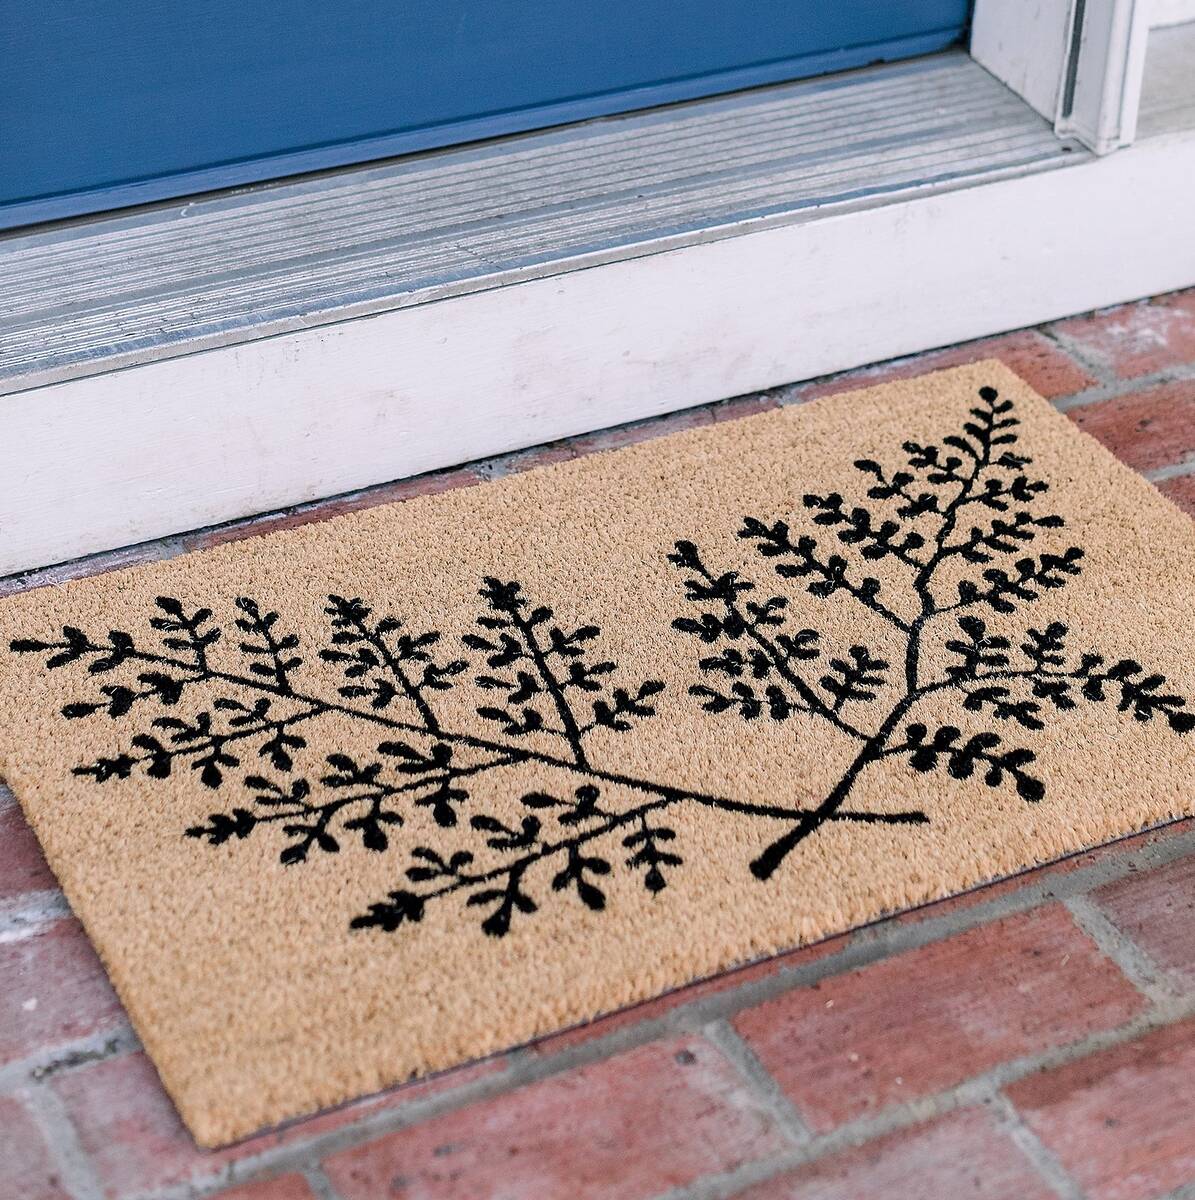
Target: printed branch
{"type": "Point", "coordinates": [546, 695]}
{"type": "Point", "coordinates": [364, 653]}
{"type": "Point", "coordinates": [974, 466]}
{"type": "Point", "coordinates": [434, 769]}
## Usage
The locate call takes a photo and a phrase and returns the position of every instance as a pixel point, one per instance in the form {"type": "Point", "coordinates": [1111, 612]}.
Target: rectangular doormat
{"type": "Point", "coordinates": [363, 800]}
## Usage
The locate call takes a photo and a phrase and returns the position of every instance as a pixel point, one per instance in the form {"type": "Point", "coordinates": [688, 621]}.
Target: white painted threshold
{"type": "Point", "coordinates": [195, 363]}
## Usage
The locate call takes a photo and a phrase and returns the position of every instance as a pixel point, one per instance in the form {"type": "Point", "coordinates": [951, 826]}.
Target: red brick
{"type": "Point", "coordinates": [1157, 910]}
{"type": "Point", "coordinates": [22, 865]}
{"type": "Point", "coordinates": [1149, 430]}
{"type": "Point", "coordinates": [1043, 365]}
{"type": "Point", "coordinates": [55, 991]}
{"type": "Point", "coordinates": [537, 456]}
{"type": "Point", "coordinates": [1182, 491]}
{"type": "Point", "coordinates": [1137, 339]}
{"type": "Point", "coordinates": [1036, 876]}
{"type": "Point", "coordinates": [135, 1138]}
{"type": "Point", "coordinates": [653, 1009]}
{"type": "Point", "coordinates": [288, 1187]}
{"type": "Point", "coordinates": [431, 484]}
{"type": "Point", "coordinates": [744, 406]}
{"type": "Point", "coordinates": [927, 1019]}
{"type": "Point", "coordinates": [962, 1155]}
{"type": "Point", "coordinates": [83, 568]}
{"type": "Point", "coordinates": [630, 1127]}
{"type": "Point", "coordinates": [641, 431]}
{"type": "Point", "coordinates": [1122, 1122]}
{"type": "Point", "coordinates": [26, 1166]}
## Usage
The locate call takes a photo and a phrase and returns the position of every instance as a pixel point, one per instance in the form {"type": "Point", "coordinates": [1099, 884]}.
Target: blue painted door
{"type": "Point", "coordinates": [105, 103]}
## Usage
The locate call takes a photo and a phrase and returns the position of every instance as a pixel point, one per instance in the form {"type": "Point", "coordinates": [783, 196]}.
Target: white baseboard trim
{"type": "Point", "coordinates": [93, 463]}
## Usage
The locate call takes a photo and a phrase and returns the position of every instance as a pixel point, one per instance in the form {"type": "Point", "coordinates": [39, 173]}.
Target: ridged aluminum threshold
{"type": "Point", "coordinates": [93, 296]}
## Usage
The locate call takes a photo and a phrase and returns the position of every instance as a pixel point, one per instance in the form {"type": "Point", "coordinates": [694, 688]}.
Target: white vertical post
{"type": "Point", "coordinates": [1105, 71]}
{"type": "Point", "coordinates": [1077, 62]}
{"type": "Point", "coordinates": [1025, 44]}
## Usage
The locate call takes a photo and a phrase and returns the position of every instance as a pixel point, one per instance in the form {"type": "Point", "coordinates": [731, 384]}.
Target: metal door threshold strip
{"type": "Point", "coordinates": [92, 296]}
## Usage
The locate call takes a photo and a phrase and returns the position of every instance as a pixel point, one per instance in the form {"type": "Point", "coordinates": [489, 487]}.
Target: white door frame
{"type": "Point", "coordinates": [1077, 62]}
{"type": "Point", "coordinates": [1106, 66]}
{"type": "Point", "coordinates": [172, 444]}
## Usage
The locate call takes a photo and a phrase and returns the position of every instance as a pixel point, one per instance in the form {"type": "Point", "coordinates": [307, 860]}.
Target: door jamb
{"type": "Point", "coordinates": [1079, 63]}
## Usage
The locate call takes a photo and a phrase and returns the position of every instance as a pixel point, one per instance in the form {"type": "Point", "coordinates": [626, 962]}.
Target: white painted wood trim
{"type": "Point", "coordinates": [1079, 63]}
{"type": "Point", "coordinates": [1101, 110]}
{"type": "Point", "coordinates": [112, 459]}
{"type": "Point", "coordinates": [1025, 44]}
{"type": "Point", "coordinates": [1171, 12]}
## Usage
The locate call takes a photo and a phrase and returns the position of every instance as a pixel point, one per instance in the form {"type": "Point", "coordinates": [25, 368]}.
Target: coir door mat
{"type": "Point", "coordinates": [378, 795]}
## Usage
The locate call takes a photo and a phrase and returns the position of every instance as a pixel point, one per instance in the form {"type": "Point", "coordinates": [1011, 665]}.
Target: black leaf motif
{"type": "Point", "coordinates": [548, 697]}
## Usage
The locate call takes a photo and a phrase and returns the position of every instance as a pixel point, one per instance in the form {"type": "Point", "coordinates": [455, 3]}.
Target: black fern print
{"type": "Point", "coordinates": [547, 696]}
{"type": "Point", "coordinates": [970, 501]}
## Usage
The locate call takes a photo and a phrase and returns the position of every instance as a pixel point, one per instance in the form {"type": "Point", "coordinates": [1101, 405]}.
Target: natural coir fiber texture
{"type": "Point", "coordinates": [368, 798]}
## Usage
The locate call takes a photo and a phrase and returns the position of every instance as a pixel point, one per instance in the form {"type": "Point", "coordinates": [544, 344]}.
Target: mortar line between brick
{"type": "Point", "coordinates": [27, 915]}
{"type": "Point", "coordinates": [1044, 1161]}
{"type": "Point", "coordinates": [73, 1164]}
{"type": "Point", "coordinates": [1174, 471]}
{"type": "Point", "coordinates": [766, 1089]}
{"type": "Point", "coordinates": [1094, 364]}
{"type": "Point", "coordinates": [53, 1060]}
{"type": "Point", "coordinates": [319, 1183]}
{"type": "Point", "coordinates": [1124, 387]}
{"type": "Point", "coordinates": [302, 1154]}
{"type": "Point", "coordinates": [983, 1089]}
{"type": "Point", "coordinates": [864, 947]}
{"type": "Point", "coordinates": [1151, 980]}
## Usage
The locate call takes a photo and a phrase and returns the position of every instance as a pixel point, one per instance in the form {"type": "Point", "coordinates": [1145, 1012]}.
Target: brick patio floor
{"type": "Point", "coordinates": [1031, 1039]}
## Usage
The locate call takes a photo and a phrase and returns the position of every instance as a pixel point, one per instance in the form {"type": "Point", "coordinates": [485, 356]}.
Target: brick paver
{"type": "Point", "coordinates": [22, 865]}
{"type": "Point", "coordinates": [1181, 490]}
{"type": "Point", "coordinates": [628, 1128]}
{"type": "Point", "coordinates": [129, 1129]}
{"type": "Point", "coordinates": [641, 431]}
{"type": "Point", "coordinates": [650, 1102]}
{"type": "Point", "coordinates": [654, 1010]}
{"type": "Point", "coordinates": [928, 1019]}
{"type": "Point", "coordinates": [1122, 1122]}
{"type": "Point", "coordinates": [54, 991]}
{"type": "Point", "coordinates": [1147, 430]}
{"type": "Point", "coordinates": [1137, 339]}
{"type": "Point", "coordinates": [387, 493]}
{"type": "Point", "coordinates": [963, 1156]}
{"type": "Point", "coordinates": [27, 1170]}
{"type": "Point", "coordinates": [288, 1187]}
{"type": "Point", "coordinates": [1049, 370]}
{"type": "Point", "coordinates": [134, 1137]}
{"type": "Point", "coordinates": [1157, 910]}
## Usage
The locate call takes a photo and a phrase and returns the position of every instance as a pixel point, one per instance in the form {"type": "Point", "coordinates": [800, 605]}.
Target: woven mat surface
{"type": "Point", "coordinates": [366, 799]}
